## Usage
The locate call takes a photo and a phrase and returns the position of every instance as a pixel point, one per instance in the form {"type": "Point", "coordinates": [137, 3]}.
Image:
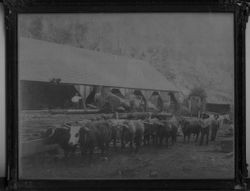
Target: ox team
{"type": "Point", "coordinates": [133, 132]}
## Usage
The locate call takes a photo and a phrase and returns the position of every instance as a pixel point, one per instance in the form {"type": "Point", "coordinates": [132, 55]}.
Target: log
{"type": "Point", "coordinates": [74, 111]}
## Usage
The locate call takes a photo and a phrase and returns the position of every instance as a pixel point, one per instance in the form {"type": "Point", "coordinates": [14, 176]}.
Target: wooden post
{"type": "Point", "coordinates": [84, 97]}
{"type": "Point", "coordinates": [189, 105]}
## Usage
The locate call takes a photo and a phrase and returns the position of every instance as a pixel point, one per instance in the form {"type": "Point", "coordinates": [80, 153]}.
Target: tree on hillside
{"type": "Point", "coordinates": [199, 92]}
{"type": "Point", "coordinates": [196, 106]}
{"type": "Point", "coordinates": [35, 28]}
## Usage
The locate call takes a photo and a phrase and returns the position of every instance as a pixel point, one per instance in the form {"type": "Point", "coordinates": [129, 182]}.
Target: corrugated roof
{"type": "Point", "coordinates": [43, 61]}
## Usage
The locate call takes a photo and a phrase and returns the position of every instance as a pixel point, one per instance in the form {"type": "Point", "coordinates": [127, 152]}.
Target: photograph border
{"type": "Point", "coordinates": [14, 7]}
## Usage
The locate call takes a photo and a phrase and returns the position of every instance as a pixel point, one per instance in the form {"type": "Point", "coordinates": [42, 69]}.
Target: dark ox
{"type": "Point", "coordinates": [151, 128]}
{"type": "Point", "coordinates": [172, 132]}
{"type": "Point", "coordinates": [132, 133]}
{"type": "Point", "coordinates": [157, 131]}
{"type": "Point", "coordinates": [96, 134]}
{"type": "Point", "coordinates": [116, 126]}
{"type": "Point", "coordinates": [191, 127]}
{"type": "Point", "coordinates": [64, 136]}
{"type": "Point", "coordinates": [173, 123]}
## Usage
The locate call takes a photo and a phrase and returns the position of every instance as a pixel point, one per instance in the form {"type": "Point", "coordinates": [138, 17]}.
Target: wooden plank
{"type": "Point", "coordinates": [74, 111]}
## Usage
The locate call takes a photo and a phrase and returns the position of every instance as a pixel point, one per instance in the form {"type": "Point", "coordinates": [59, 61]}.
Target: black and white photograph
{"type": "Point", "coordinates": [126, 96]}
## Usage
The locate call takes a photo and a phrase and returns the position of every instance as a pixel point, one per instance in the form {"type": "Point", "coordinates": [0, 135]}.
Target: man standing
{"type": "Point", "coordinates": [215, 126]}
{"type": "Point", "coordinates": [205, 127]}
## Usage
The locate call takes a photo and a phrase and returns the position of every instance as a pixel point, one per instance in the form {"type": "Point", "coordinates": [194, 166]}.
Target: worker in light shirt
{"type": "Point", "coordinates": [214, 127]}
{"type": "Point", "coordinates": [76, 100]}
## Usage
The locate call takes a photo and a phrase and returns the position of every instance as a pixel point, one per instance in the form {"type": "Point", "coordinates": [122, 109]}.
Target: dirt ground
{"type": "Point", "coordinates": [179, 161]}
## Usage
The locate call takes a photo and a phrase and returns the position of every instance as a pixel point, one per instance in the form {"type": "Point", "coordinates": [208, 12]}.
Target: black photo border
{"type": "Point", "coordinates": [14, 7]}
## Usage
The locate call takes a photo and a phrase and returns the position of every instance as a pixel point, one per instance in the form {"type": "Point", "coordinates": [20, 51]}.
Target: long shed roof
{"type": "Point", "coordinates": [43, 61]}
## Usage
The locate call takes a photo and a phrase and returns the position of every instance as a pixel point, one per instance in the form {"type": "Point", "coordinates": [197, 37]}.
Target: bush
{"type": "Point", "coordinates": [199, 92]}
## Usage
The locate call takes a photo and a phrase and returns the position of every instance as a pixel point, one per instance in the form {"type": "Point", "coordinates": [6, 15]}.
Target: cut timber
{"type": "Point", "coordinates": [74, 111]}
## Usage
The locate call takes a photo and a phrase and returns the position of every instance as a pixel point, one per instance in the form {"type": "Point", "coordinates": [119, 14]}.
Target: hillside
{"type": "Point", "coordinates": [189, 50]}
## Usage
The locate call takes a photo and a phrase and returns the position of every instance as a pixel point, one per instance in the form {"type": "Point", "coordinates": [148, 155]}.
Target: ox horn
{"type": "Point", "coordinates": [67, 125]}
{"type": "Point", "coordinates": [86, 129]}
